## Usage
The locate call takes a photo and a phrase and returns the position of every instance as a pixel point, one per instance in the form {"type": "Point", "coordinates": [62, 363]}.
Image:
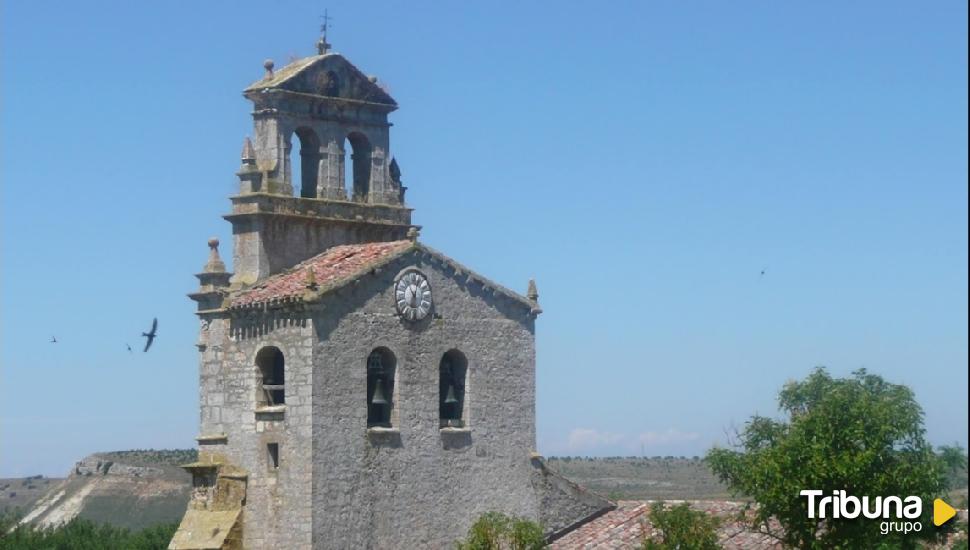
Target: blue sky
{"type": "Point", "coordinates": [644, 161]}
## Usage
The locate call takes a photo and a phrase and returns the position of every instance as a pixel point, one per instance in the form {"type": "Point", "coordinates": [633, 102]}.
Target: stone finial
{"type": "Point", "coordinates": [311, 278]}
{"type": "Point", "coordinates": [533, 292]}
{"type": "Point", "coordinates": [413, 233]}
{"type": "Point", "coordinates": [248, 153]}
{"type": "Point", "coordinates": [215, 263]}
{"type": "Point", "coordinates": [268, 65]}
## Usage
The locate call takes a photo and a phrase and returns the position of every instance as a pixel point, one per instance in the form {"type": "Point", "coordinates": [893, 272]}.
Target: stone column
{"type": "Point", "coordinates": [284, 174]}
{"type": "Point", "coordinates": [271, 151]}
{"type": "Point", "coordinates": [376, 187]}
{"type": "Point", "coordinates": [330, 177]}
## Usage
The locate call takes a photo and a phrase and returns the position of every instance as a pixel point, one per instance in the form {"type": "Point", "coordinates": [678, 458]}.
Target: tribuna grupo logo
{"type": "Point", "coordinates": [897, 514]}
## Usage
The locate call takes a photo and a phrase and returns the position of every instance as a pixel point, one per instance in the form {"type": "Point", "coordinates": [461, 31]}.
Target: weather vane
{"type": "Point", "coordinates": [322, 44]}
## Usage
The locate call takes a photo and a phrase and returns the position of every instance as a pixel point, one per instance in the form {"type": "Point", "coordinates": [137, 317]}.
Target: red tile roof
{"type": "Point", "coordinates": [329, 267]}
{"type": "Point", "coordinates": [626, 527]}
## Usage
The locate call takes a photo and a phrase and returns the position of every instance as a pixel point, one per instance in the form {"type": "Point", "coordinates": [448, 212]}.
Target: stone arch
{"type": "Point", "coordinates": [452, 389]}
{"type": "Point", "coordinates": [271, 377]}
{"type": "Point", "coordinates": [357, 171]}
{"type": "Point", "coordinates": [381, 372]}
{"type": "Point", "coordinates": [306, 174]}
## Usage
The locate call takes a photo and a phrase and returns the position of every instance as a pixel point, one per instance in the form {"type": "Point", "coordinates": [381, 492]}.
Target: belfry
{"type": "Point", "coordinates": [358, 389]}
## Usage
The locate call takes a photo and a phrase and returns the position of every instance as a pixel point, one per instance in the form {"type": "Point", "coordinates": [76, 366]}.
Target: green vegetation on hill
{"type": "Point", "coordinates": [80, 534]}
{"type": "Point", "coordinates": [18, 494]}
{"type": "Point", "coordinates": [132, 511]}
{"type": "Point", "coordinates": [152, 457]}
{"type": "Point", "coordinates": [131, 490]}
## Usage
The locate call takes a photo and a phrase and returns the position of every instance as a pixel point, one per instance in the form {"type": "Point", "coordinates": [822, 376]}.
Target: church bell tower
{"type": "Point", "coordinates": [324, 116]}
{"type": "Point", "coordinates": [357, 388]}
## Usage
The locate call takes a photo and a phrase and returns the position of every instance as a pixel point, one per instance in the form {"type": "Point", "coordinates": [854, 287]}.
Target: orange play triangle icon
{"type": "Point", "coordinates": [942, 512]}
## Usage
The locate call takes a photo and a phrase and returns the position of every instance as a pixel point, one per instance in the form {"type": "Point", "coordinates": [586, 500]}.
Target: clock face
{"type": "Point", "coordinates": [412, 294]}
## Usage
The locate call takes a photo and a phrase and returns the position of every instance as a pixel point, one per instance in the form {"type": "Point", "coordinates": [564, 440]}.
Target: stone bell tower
{"type": "Point", "coordinates": [357, 388]}
{"type": "Point", "coordinates": [324, 115]}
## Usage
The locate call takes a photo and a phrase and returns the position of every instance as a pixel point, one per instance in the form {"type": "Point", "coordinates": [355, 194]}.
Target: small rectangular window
{"type": "Point", "coordinates": [273, 456]}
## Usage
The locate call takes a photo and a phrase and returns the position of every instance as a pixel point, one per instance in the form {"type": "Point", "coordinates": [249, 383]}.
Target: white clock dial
{"type": "Point", "coordinates": [412, 294]}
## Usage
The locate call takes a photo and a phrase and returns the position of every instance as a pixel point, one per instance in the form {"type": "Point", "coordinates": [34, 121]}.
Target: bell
{"type": "Point", "coordinates": [378, 397]}
{"type": "Point", "coordinates": [450, 398]}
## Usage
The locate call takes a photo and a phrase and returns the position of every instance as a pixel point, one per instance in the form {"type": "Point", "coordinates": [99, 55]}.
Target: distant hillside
{"type": "Point", "coordinates": [636, 478]}
{"type": "Point", "coordinates": [141, 488]}
{"type": "Point", "coordinates": [20, 493]}
{"type": "Point", "coordinates": [132, 489]}
{"type": "Point", "coordinates": [674, 478]}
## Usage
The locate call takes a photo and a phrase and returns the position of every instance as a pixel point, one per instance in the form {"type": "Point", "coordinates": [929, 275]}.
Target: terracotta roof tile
{"type": "Point", "coordinates": [329, 267]}
{"type": "Point", "coordinates": [628, 524]}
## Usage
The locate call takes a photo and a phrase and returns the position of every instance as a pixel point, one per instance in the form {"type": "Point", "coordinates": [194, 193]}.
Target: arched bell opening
{"type": "Point", "coordinates": [381, 365]}
{"type": "Point", "coordinates": [357, 171]}
{"type": "Point", "coordinates": [452, 377]}
{"type": "Point", "coordinates": [272, 366]}
{"type": "Point", "coordinates": [306, 171]}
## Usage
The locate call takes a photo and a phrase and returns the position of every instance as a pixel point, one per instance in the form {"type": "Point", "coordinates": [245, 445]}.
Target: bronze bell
{"type": "Point", "coordinates": [450, 398]}
{"type": "Point", "coordinates": [378, 397]}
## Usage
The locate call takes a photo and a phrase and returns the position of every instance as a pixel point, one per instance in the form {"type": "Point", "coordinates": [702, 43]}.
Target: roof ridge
{"type": "Point", "coordinates": [289, 71]}
{"type": "Point", "coordinates": [481, 278]}
{"type": "Point", "coordinates": [338, 265]}
{"type": "Point", "coordinates": [292, 279]}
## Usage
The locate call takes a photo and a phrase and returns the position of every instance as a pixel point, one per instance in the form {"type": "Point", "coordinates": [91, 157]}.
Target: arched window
{"type": "Point", "coordinates": [304, 172]}
{"type": "Point", "coordinates": [270, 389]}
{"type": "Point", "coordinates": [452, 372]}
{"type": "Point", "coordinates": [357, 171]}
{"type": "Point", "coordinates": [380, 387]}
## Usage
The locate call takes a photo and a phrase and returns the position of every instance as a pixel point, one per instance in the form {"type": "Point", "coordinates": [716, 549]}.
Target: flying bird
{"type": "Point", "coordinates": [53, 339]}
{"type": "Point", "coordinates": [763, 271]}
{"type": "Point", "coordinates": [129, 347]}
{"type": "Point", "coordinates": [150, 335]}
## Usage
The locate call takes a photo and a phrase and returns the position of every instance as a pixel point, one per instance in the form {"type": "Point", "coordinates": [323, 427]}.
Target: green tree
{"type": "Point", "coordinates": [79, 534]}
{"type": "Point", "coordinates": [682, 529]}
{"type": "Point", "coordinates": [860, 434]}
{"type": "Point", "coordinates": [496, 531]}
{"type": "Point", "coordinates": [955, 461]}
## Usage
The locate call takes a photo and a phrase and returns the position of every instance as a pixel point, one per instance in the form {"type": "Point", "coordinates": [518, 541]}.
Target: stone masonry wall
{"type": "Point", "coordinates": [277, 510]}
{"type": "Point", "coordinates": [420, 487]}
{"type": "Point", "coordinates": [340, 485]}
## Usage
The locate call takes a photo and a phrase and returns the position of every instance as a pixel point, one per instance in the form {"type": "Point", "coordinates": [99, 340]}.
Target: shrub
{"type": "Point", "coordinates": [496, 531]}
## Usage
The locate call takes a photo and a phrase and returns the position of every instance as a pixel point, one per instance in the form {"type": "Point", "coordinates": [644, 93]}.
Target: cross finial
{"type": "Point", "coordinates": [322, 45]}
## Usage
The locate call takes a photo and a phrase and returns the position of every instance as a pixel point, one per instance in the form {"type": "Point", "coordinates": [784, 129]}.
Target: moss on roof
{"type": "Point", "coordinates": [285, 73]}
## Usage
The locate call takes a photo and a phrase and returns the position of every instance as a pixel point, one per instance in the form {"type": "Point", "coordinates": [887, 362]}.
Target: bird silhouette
{"type": "Point", "coordinates": [53, 339]}
{"type": "Point", "coordinates": [129, 347]}
{"type": "Point", "coordinates": [150, 335]}
{"type": "Point", "coordinates": [763, 271]}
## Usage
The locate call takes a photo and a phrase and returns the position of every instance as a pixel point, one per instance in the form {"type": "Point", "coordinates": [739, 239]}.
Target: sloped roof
{"type": "Point", "coordinates": [337, 266]}
{"type": "Point", "coordinates": [331, 267]}
{"type": "Point", "coordinates": [629, 523]}
{"type": "Point", "coordinates": [203, 529]}
{"type": "Point", "coordinates": [283, 74]}
{"type": "Point", "coordinates": [296, 76]}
